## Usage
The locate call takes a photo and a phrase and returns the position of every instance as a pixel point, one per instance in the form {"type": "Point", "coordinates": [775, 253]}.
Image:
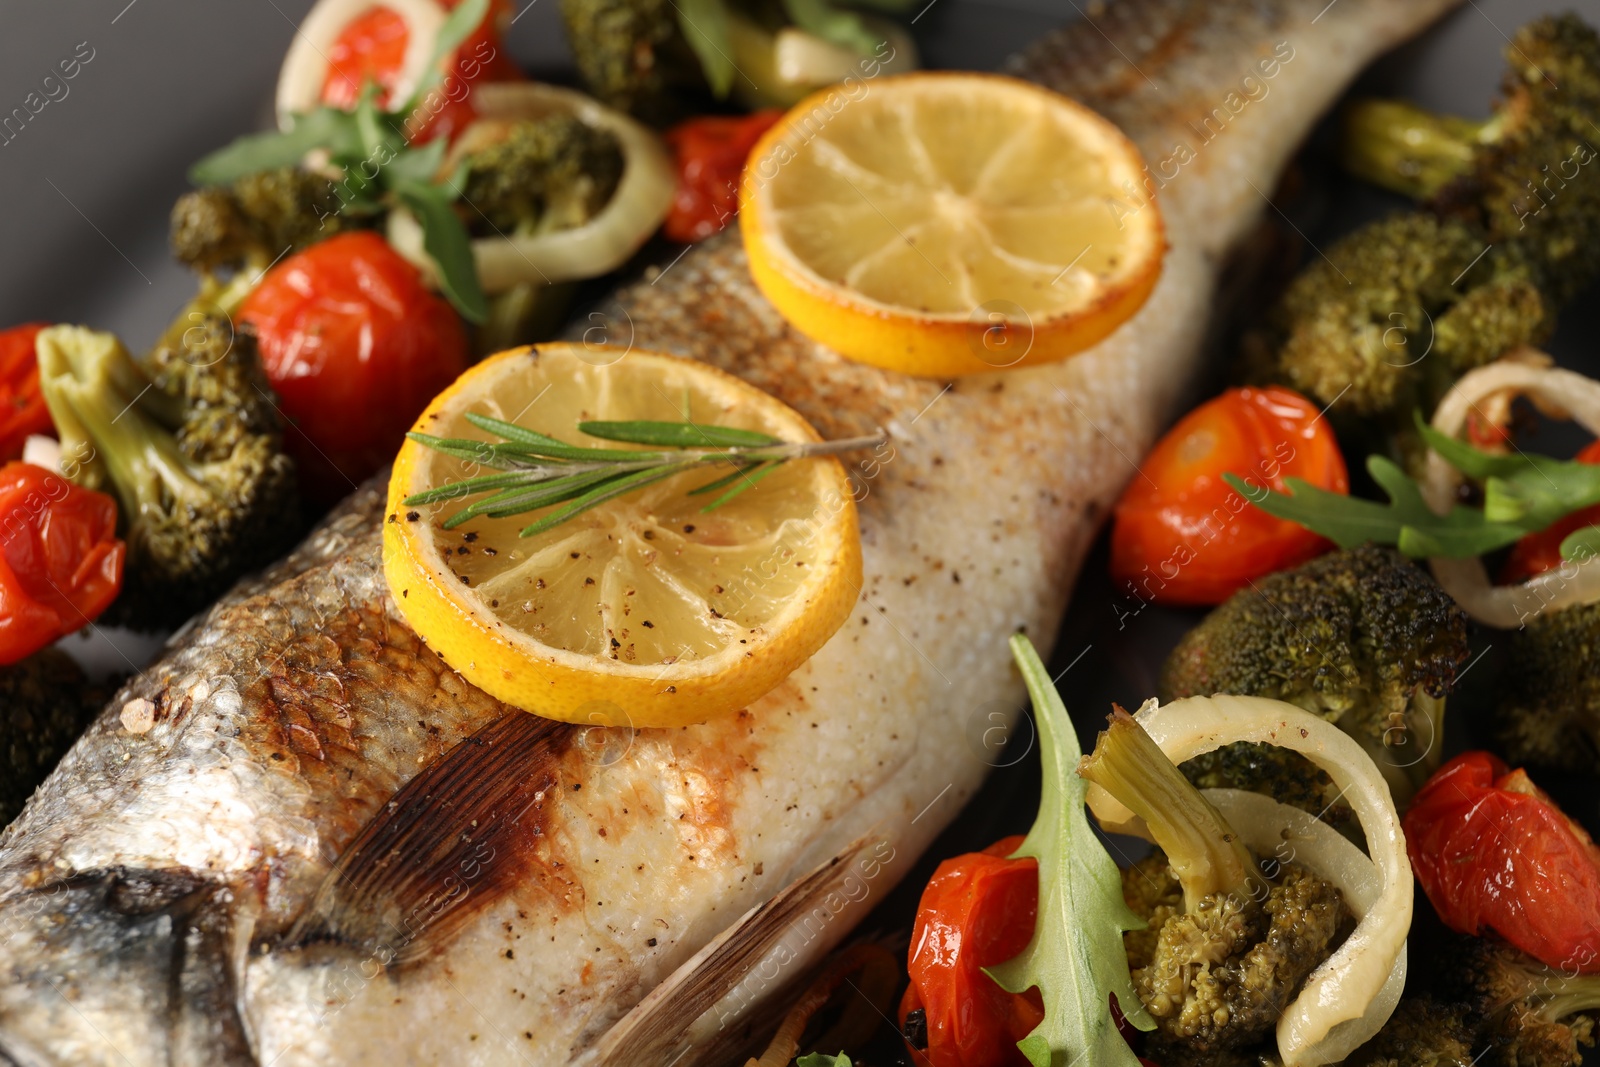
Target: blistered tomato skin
{"type": "Point", "coordinates": [22, 407]}
{"type": "Point", "coordinates": [1182, 535]}
{"type": "Point", "coordinates": [710, 153]}
{"type": "Point", "coordinates": [1493, 852]}
{"type": "Point", "coordinates": [978, 910]}
{"type": "Point", "coordinates": [355, 345]}
{"type": "Point", "coordinates": [60, 559]}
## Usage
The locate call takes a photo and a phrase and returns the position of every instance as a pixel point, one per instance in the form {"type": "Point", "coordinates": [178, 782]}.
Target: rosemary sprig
{"type": "Point", "coordinates": [539, 471]}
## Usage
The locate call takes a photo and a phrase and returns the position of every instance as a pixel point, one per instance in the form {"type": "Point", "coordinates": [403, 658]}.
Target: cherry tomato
{"type": "Point", "coordinates": [355, 346]}
{"type": "Point", "coordinates": [60, 560]}
{"type": "Point", "coordinates": [710, 154]}
{"type": "Point", "coordinates": [372, 47]}
{"type": "Point", "coordinates": [1492, 850]}
{"type": "Point", "coordinates": [978, 910]}
{"type": "Point", "coordinates": [1183, 536]}
{"type": "Point", "coordinates": [22, 408]}
{"type": "Point", "coordinates": [1539, 552]}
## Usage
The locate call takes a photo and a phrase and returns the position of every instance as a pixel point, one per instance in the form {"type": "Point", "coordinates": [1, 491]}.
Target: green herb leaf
{"type": "Point", "coordinates": [822, 1059]}
{"type": "Point", "coordinates": [676, 434]}
{"type": "Point", "coordinates": [458, 26]}
{"type": "Point", "coordinates": [447, 243]}
{"type": "Point", "coordinates": [704, 24]}
{"type": "Point", "coordinates": [1076, 956]}
{"type": "Point", "coordinates": [418, 165]}
{"type": "Point", "coordinates": [743, 480]}
{"type": "Point", "coordinates": [323, 128]}
{"type": "Point", "coordinates": [843, 28]}
{"type": "Point", "coordinates": [1405, 522]}
{"type": "Point", "coordinates": [1531, 491]}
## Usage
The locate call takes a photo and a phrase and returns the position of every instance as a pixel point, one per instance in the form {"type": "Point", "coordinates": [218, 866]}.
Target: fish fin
{"type": "Point", "coordinates": [661, 1028]}
{"type": "Point", "coordinates": [448, 844]}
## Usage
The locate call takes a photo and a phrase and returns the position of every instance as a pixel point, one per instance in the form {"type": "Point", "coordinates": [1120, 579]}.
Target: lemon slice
{"type": "Point", "coordinates": [945, 224]}
{"type": "Point", "coordinates": [644, 611]}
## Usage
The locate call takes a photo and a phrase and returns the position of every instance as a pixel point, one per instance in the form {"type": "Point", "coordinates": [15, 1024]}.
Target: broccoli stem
{"type": "Point", "coordinates": [1562, 995]}
{"type": "Point", "coordinates": [1206, 855]}
{"type": "Point", "coordinates": [1409, 150]}
{"type": "Point", "coordinates": [113, 419]}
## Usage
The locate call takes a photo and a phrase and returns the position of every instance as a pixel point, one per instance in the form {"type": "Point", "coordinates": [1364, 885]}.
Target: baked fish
{"type": "Point", "coordinates": [300, 838]}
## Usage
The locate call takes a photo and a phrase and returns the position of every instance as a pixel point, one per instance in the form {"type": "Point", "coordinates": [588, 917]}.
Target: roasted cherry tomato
{"type": "Point", "coordinates": [710, 154]}
{"type": "Point", "coordinates": [1539, 552]}
{"type": "Point", "coordinates": [22, 408]}
{"type": "Point", "coordinates": [1183, 536]}
{"type": "Point", "coordinates": [1492, 850]}
{"type": "Point", "coordinates": [60, 560]}
{"type": "Point", "coordinates": [355, 346]}
{"type": "Point", "coordinates": [978, 910]}
{"type": "Point", "coordinates": [372, 47]}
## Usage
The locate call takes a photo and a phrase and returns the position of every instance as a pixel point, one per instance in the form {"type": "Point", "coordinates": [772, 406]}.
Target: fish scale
{"type": "Point", "coordinates": [251, 880]}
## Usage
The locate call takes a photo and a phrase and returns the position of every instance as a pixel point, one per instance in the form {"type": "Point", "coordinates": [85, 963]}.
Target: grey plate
{"type": "Point", "coordinates": [87, 183]}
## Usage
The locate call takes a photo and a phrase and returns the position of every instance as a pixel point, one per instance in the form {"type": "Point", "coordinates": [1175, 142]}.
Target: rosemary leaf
{"type": "Point", "coordinates": [529, 497]}
{"type": "Point", "coordinates": [722, 482]}
{"type": "Point", "coordinates": [747, 480]}
{"type": "Point", "coordinates": [601, 494]}
{"type": "Point", "coordinates": [510, 430]}
{"type": "Point", "coordinates": [466, 487]}
{"type": "Point", "coordinates": [677, 434]}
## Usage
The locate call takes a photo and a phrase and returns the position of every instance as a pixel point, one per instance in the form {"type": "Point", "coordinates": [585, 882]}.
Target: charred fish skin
{"type": "Point", "coordinates": [190, 893]}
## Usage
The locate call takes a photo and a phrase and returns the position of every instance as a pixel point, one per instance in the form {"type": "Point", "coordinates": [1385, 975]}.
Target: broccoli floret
{"type": "Point", "coordinates": [1361, 637]}
{"type": "Point", "coordinates": [1225, 949]}
{"type": "Point", "coordinates": [632, 55]}
{"type": "Point", "coordinates": [1529, 1015]}
{"type": "Point", "coordinates": [1548, 713]}
{"type": "Point", "coordinates": [1286, 776]}
{"type": "Point", "coordinates": [191, 445]}
{"type": "Point", "coordinates": [547, 174]}
{"type": "Point", "coordinates": [256, 220]}
{"type": "Point", "coordinates": [1380, 327]}
{"type": "Point", "coordinates": [45, 703]}
{"type": "Point", "coordinates": [1510, 233]}
{"type": "Point", "coordinates": [1422, 1032]}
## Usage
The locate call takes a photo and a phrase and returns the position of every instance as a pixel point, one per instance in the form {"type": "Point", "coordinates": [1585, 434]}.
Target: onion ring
{"type": "Point", "coordinates": [305, 65]}
{"type": "Point", "coordinates": [1467, 580]}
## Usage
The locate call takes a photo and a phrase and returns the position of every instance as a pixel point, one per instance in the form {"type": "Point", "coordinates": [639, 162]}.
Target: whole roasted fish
{"type": "Point", "coordinates": [300, 838]}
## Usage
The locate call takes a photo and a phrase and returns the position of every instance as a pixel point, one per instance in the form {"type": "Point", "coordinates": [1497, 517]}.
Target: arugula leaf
{"type": "Point", "coordinates": [704, 24]}
{"type": "Point", "coordinates": [843, 28]}
{"type": "Point", "coordinates": [457, 27]}
{"type": "Point", "coordinates": [822, 1059]}
{"type": "Point", "coordinates": [446, 242]}
{"type": "Point", "coordinates": [1582, 544]}
{"type": "Point", "coordinates": [1530, 490]}
{"type": "Point", "coordinates": [418, 165]}
{"type": "Point", "coordinates": [325, 127]}
{"type": "Point", "coordinates": [1406, 521]}
{"type": "Point", "coordinates": [1076, 955]}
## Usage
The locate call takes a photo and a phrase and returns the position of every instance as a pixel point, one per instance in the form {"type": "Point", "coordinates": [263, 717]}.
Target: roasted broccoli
{"type": "Point", "coordinates": [1422, 1032]}
{"type": "Point", "coordinates": [1528, 1015]}
{"type": "Point", "coordinates": [1361, 637]}
{"type": "Point", "coordinates": [1511, 232]}
{"type": "Point", "coordinates": [633, 55]}
{"type": "Point", "coordinates": [254, 221]}
{"type": "Point", "coordinates": [190, 443]}
{"type": "Point", "coordinates": [547, 174]}
{"type": "Point", "coordinates": [1225, 949]}
{"type": "Point", "coordinates": [1548, 712]}
{"type": "Point", "coordinates": [45, 703]}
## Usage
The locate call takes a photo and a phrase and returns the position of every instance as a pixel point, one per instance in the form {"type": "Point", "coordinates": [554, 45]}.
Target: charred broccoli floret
{"type": "Point", "coordinates": [1361, 637]}
{"type": "Point", "coordinates": [552, 173]}
{"type": "Point", "coordinates": [1548, 713]}
{"type": "Point", "coordinates": [633, 56]}
{"type": "Point", "coordinates": [190, 443]}
{"type": "Point", "coordinates": [1422, 1032]}
{"type": "Point", "coordinates": [1511, 232]}
{"type": "Point", "coordinates": [255, 220]}
{"type": "Point", "coordinates": [1226, 950]}
{"type": "Point", "coordinates": [45, 703]}
{"type": "Point", "coordinates": [1529, 1015]}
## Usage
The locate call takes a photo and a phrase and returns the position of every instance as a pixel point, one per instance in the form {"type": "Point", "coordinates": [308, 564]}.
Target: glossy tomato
{"type": "Point", "coordinates": [710, 153]}
{"type": "Point", "coordinates": [978, 910]}
{"type": "Point", "coordinates": [1539, 552]}
{"type": "Point", "coordinates": [60, 560]}
{"type": "Point", "coordinates": [372, 48]}
{"type": "Point", "coordinates": [1493, 851]}
{"type": "Point", "coordinates": [22, 407]}
{"type": "Point", "coordinates": [1183, 536]}
{"type": "Point", "coordinates": [355, 345]}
